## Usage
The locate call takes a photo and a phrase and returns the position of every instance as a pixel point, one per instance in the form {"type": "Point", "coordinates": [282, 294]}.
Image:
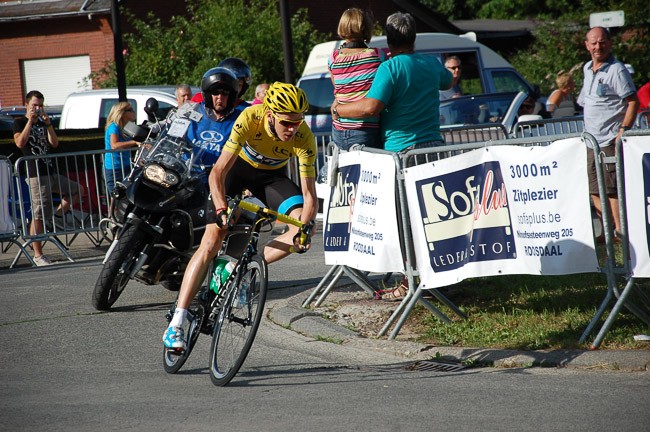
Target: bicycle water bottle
{"type": "Point", "coordinates": [217, 277]}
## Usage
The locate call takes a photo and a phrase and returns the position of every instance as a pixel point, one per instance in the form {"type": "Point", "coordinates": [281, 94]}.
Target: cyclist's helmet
{"type": "Point", "coordinates": [285, 98]}
{"type": "Point", "coordinates": [241, 70]}
{"type": "Point", "coordinates": [219, 78]}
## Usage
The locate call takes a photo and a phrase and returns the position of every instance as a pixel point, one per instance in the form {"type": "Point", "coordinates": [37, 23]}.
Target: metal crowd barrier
{"type": "Point", "coordinates": [542, 128]}
{"type": "Point", "coordinates": [83, 168]}
{"type": "Point", "coordinates": [468, 134]}
{"type": "Point", "coordinates": [414, 157]}
{"type": "Point", "coordinates": [613, 270]}
{"type": "Point", "coordinates": [9, 217]}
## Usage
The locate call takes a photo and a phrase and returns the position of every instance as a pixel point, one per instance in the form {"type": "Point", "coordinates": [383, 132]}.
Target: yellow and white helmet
{"type": "Point", "coordinates": [285, 98]}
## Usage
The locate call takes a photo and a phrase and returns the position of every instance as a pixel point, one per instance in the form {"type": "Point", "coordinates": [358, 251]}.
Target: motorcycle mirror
{"type": "Point", "coordinates": [135, 132]}
{"type": "Point", "coordinates": [151, 107]}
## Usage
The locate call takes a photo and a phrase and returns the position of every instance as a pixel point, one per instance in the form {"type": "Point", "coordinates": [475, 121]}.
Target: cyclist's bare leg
{"type": "Point", "coordinates": [199, 263]}
{"type": "Point", "coordinates": [280, 247]}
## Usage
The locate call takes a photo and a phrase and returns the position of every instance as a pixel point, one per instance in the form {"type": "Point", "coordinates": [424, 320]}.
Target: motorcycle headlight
{"type": "Point", "coordinates": [160, 175]}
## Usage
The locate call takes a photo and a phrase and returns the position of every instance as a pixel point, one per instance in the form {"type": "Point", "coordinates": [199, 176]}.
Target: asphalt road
{"type": "Point", "coordinates": [65, 366]}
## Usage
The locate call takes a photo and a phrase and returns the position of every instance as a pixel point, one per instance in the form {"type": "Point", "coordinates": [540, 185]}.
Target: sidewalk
{"type": "Point", "coordinates": [354, 304]}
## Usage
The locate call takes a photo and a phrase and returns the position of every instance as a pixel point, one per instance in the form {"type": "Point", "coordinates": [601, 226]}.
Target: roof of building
{"type": "Point", "coordinates": [24, 10]}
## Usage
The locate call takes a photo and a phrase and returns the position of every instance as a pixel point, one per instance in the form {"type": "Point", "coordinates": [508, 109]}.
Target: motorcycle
{"type": "Point", "coordinates": [158, 211]}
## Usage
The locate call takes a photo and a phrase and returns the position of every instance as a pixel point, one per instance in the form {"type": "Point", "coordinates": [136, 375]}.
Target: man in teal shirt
{"type": "Point", "coordinates": [405, 92]}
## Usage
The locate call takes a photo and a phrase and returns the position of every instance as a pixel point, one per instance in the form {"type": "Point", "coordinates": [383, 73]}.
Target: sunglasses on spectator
{"type": "Point", "coordinates": [453, 67]}
{"type": "Point", "coordinates": [223, 92]}
{"type": "Point", "coordinates": [129, 110]}
{"type": "Point", "coordinates": [287, 122]}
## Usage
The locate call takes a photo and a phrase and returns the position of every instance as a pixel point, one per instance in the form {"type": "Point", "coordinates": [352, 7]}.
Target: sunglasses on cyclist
{"type": "Point", "coordinates": [287, 122]}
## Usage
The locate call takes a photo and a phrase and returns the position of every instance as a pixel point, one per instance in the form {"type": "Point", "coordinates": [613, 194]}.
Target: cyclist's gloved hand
{"type": "Point", "coordinates": [302, 240]}
{"type": "Point", "coordinates": [222, 218]}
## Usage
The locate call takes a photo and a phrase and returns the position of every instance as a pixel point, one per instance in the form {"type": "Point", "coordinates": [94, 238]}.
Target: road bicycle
{"type": "Point", "coordinates": [233, 314]}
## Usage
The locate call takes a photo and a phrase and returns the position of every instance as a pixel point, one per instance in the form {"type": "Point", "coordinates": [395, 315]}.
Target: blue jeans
{"type": "Point", "coordinates": [114, 174]}
{"type": "Point", "coordinates": [344, 139]}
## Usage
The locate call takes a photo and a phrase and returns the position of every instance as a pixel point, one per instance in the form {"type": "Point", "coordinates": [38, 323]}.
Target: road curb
{"type": "Point", "coordinates": [289, 313]}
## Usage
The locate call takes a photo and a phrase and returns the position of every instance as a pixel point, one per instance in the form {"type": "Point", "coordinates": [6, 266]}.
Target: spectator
{"type": "Point", "coordinates": [453, 65]}
{"type": "Point", "coordinates": [406, 91]}
{"type": "Point", "coordinates": [352, 68]}
{"type": "Point", "coordinates": [183, 94]}
{"type": "Point", "coordinates": [527, 108]}
{"type": "Point", "coordinates": [117, 164]}
{"type": "Point", "coordinates": [610, 105]}
{"type": "Point", "coordinates": [260, 93]}
{"type": "Point", "coordinates": [644, 96]}
{"type": "Point", "coordinates": [564, 92]}
{"type": "Point", "coordinates": [34, 135]}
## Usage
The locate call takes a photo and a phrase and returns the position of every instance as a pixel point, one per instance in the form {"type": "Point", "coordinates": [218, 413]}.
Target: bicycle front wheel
{"type": "Point", "coordinates": [238, 322]}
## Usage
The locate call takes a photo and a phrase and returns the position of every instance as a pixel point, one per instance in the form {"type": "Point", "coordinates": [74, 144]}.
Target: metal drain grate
{"type": "Point", "coordinates": [418, 366]}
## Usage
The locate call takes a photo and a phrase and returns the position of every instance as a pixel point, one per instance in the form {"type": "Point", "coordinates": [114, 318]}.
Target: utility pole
{"type": "Point", "coordinates": [287, 44]}
{"type": "Point", "coordinates": [119, 56]}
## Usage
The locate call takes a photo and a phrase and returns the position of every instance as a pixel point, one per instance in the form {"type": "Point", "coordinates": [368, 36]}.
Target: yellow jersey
{"type": "Point", "coordinates": [252, 141]}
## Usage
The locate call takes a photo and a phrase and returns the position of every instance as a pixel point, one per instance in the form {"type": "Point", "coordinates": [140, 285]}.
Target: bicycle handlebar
{"type": "Point", "coordinates": [306, 229]}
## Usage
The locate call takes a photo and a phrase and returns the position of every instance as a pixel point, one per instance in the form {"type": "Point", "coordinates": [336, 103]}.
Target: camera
{"type": "Point", "coordinates": [38, 111]}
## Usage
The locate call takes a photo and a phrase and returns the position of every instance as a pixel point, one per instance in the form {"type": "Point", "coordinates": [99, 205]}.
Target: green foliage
{"type": "Point", "coordinates": [211, 31]}
{"type": "Point", "coordinates": [559, 47]}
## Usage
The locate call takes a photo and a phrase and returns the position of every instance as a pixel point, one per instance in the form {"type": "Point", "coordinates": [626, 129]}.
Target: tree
{"type": "Point", "coordinates": [211, 31]}
{"type": "Point", "coordinates": [559, 37]}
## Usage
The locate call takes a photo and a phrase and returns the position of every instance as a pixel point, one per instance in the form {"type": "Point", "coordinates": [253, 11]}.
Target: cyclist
{"type": "Point", "coordinates": [255, 157]}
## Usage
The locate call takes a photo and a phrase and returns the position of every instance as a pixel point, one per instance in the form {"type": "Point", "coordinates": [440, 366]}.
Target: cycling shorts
{"type": "Point", "coordinates": [272, 187]}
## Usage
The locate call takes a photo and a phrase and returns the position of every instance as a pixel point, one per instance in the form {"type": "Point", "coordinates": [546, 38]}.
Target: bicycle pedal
{"type": "Point", "coordinates": [175, 351]}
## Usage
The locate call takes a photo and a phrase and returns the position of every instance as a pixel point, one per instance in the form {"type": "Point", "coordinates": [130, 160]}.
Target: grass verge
{"type": "Point", "coordinates": [530, 313]}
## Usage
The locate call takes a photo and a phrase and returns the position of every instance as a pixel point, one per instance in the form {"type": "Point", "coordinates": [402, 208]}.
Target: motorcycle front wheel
{"type": "Point", "coordinates": [238, 322]}
{"type": "Point", "coordinates": [115, 273]}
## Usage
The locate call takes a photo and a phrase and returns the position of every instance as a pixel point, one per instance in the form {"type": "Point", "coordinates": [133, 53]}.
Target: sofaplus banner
{"type": "Point", "coordinates": [502, 210]}
{"type": "Point", "coordinates": [636, 159]}
{"type": "Point", "coordinates": [360, 228]}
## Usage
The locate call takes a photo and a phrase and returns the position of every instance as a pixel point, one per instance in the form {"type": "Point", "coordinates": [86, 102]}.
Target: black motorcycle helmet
{"type": "Point", "coordinates": [219, 78]}
{"type": "Point", "coordinates": [241, 70]}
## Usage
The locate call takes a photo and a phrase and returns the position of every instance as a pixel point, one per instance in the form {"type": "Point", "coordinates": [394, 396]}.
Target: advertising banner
{"type": "Point", "coordinates": [636, 159]}
{"type": "Point", "coordinates": [502, 210]}
{"type": "Point", "coordinates": [360, 228]}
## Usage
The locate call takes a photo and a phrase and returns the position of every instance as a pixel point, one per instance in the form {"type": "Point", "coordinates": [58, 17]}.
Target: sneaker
{"type": "Point", "coordinates": [174, 338]}
{"type": "Point", "coordinates": [42, 261]}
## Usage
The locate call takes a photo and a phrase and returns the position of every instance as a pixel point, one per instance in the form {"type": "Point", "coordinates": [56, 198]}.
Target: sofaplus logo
{"type": "Point", "coordinates": [341, 205]}
{"type": "Point", "coordinates": [466, 217]}
{"type": "Point", "coordinates": [646, 193]}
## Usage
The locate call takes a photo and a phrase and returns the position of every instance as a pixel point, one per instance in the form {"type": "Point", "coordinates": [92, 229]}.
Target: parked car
{"type": "Point", "coordinates": [90, 109]}
{"type": "Point", "coordinates": [484, 71]}
{"type": "Point", "coordinates": [503, 109]}
{"type": "Point", "coordinates": [7, 115]}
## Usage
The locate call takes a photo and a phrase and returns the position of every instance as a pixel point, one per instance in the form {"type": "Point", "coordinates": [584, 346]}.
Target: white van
{"type": "Point", "coordinates": [483, 71]}
{"type": "Point", "coordinates": [90, 109]}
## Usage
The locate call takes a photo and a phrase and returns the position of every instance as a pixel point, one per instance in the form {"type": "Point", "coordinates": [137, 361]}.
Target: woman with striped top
{"type": "Point", "coordinates": [352, 68]}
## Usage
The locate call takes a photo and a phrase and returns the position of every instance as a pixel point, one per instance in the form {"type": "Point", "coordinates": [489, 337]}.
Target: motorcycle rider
{"type": "Point", "coordinates": [243, 73]}
{"type": "Point", "coordinates": [219, 88]}
{"type": "Point", "coordinates": [255, 157]}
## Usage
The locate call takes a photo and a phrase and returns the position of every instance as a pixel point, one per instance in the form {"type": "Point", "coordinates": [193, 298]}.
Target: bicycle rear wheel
{"type": "Point", "coordinates": [238, 323]}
